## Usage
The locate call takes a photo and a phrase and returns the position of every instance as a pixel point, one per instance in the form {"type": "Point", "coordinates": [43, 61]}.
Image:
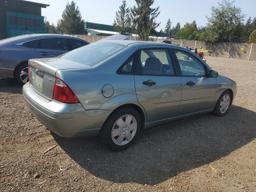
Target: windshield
{"type": "Point", "coordinates": [94, 53]}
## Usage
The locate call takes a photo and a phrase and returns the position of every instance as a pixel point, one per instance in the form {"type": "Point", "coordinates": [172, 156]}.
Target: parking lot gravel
{"type": "Point", "coordinates": [200, 153]}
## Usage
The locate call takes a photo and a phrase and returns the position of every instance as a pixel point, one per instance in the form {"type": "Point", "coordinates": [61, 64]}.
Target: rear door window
{"type": "Point", "coordinates": [74, 44]}
{"type": "Point", "coordinates": [51, 43]}
{"type": "Point", "coordinates": [35, 44]}
{"type": "Point", "coordinates": [155, 62]}
{"type": "Point", "coordinates": [54, 44]}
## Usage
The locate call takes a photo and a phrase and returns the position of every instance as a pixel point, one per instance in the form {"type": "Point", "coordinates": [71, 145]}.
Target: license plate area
{"type": "Point", "coordinates": [36, 79]}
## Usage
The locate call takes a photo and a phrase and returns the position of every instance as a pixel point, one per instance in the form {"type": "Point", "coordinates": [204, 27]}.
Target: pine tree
{"type": "Point", "coordinates": [176, 30]}
{"type": "Point", "coordinates": [168, 28]}
{"type": "Point", "coordinates": [122, 22]}
{"type": "Point", "coordinates": [71, 22]}
{"type": "Point", "coordinates": [50, 28]}
{"type": "Point", "coordinates": [144, 18]}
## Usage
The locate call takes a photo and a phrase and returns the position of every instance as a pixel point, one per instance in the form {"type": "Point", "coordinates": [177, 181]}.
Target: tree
{"type": "Point", "coordinates": [246, 30]}
{"type": "Point", "coordinates": [205, 35]}
{"type": "Point", "coordinates": [249, 27]}
{"type": "Point", "coordinates": [168, 28]}
{"type": "Point", "coordinates": [252, 38]}
{"type": "Point", "coordinates": [122, 22]}
{"type": "Point", "coordinates": [189, 31]}
{"type": "Point", "coordinates": [175, 30]}
{"type": "Point", "coordinates": [71, 22]}
{"type": "Point", "coordinates": [225, 22]}
{"type": "Point", "coordinates": [50, 28]}
{"type": "Point", "coordinates": [144, 18]}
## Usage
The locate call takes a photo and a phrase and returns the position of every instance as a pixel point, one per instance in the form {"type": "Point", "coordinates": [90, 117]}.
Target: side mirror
{"type": "Point", "coordinates": [212, 74]}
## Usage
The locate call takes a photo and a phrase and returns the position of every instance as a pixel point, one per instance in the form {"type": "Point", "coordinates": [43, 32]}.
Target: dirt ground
{"type": "Point", "coordinates": [200, 153]}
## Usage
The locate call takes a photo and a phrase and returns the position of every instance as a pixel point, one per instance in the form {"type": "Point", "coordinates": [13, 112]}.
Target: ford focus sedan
{"type": "Point", "coordinates": [114, 89]}
{"type": "Point", "coordinates": [16, 51]}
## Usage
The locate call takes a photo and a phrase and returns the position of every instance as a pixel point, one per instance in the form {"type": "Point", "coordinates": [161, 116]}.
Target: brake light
{"type": "Point", "coordinates": [63, 93]}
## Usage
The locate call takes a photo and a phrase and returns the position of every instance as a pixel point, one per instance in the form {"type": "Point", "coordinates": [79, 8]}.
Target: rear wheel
{"type": "Point", "coordinates": [121, 129]}
{"type": "Point", "coordinates": [223, 105]}
{"type": "Point", "coordinates": [21, 73]}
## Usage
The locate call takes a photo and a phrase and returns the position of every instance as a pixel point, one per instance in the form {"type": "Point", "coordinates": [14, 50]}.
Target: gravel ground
{"type": "Point", "coordinates": [200, 153]}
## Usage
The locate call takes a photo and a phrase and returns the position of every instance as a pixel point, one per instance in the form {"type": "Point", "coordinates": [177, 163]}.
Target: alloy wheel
{"type": "Point", "coordinates": [24, 75]}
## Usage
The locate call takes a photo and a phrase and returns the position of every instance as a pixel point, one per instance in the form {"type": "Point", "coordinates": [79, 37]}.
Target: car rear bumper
{"type": "Point", "coordinates": [65, 120]}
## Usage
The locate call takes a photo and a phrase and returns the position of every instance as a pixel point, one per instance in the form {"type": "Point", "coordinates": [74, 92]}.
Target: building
{"type": "Point", "coordinates": [100, 29]}
{"type": "Point", "coordinates": [20, 17]}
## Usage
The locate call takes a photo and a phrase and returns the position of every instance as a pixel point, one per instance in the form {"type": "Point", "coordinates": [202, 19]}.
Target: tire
{"type": "Point", "coordinates": [223, 104]}
{"type": "Point", "coordinates": [21, 73]}
{"type": "Point", "coordinates": [121, 129]}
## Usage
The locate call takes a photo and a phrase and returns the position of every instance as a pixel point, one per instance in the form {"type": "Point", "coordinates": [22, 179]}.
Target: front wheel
{"type": "Point", "coordinates": [121, 129]}
{"type": "Point", "coordinates": [223, 105]}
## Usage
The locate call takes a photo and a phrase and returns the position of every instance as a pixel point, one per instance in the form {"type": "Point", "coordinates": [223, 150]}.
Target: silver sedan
{"type": "Point", "coordinates": [116, 88]}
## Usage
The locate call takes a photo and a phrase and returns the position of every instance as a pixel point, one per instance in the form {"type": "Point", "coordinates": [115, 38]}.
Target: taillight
{"type": "Point", "coordinates": [63, 93]}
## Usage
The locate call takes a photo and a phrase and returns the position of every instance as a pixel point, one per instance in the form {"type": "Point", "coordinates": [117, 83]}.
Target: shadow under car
{"type": "Point", "coordinates": [167, 150]}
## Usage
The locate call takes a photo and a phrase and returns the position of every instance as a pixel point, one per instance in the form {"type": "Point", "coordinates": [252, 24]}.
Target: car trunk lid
{"type": "Point", "coordinates": [42, 73]}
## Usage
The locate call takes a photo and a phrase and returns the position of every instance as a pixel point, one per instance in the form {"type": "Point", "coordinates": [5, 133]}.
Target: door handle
{"type": "Point", "coordinates": [190, 83]}
{"type": "Point", "coordinates": [149, 83]}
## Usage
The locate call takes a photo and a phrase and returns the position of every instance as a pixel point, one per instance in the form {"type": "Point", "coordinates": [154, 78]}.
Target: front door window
{"type": "Point", "coordinates": [189, 66]}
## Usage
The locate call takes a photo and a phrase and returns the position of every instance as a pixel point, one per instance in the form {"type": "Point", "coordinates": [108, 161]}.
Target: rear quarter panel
{"type": "Point", "coordinates": [88, 85]}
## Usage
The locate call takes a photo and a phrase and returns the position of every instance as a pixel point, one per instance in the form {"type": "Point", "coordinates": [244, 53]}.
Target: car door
{"type": "Point", "coordinates": [157, 87]}
{"type": "Point", "coordinates": [198, 93]}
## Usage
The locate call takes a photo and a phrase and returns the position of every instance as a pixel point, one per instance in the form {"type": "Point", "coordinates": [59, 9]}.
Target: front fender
{"type": "Point", "coordinates": [226, 84]}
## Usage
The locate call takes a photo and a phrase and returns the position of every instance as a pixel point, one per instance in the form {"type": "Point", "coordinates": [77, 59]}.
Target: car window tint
{"type": "Point", "coordinates": [93, 53]}
{"type": "Point", "coordinates": [32, 44]}
{"type": "Point", "coordinates": [155, 62]}
{"type": "Point", "coordinates": [127, 67]}
{"type": "Point", "coordinates": [189, 65]}
{"type": "Point", "coordinates": [53, 43]}
{"type": "Point", "coordinates": [74, 44]}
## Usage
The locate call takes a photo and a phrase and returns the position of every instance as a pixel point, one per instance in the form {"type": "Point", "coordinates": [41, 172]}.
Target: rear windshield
{"type": "Point", "coordinates": [94, 53]}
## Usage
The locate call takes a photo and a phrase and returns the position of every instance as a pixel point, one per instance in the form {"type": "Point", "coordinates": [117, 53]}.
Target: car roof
{"type": "Point", "coordinates": [28, 37]}
{"type": "Point", "coordinates": [143, 43]}
{"type": "Point", "coordinates": [43, 35]}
